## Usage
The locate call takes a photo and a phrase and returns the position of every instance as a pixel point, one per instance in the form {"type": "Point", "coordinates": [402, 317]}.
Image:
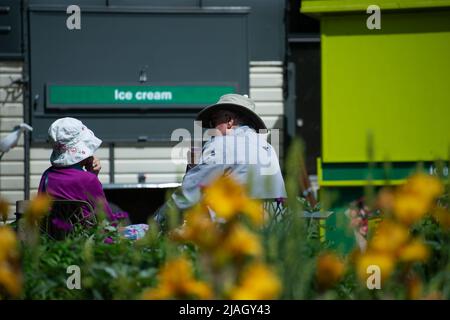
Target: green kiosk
{"type": "Point", "coordinates": [385, 93]}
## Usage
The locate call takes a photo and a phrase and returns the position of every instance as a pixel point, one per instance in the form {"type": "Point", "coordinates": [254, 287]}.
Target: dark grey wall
{"type": "Point", "coordinates": [266, 20]}
{"type": "Point", "coordinates": [10, 29]}
{"type": "Point", "coordinates": [266, 27]}
{"type": "Point", "coordinates": [186, 47]}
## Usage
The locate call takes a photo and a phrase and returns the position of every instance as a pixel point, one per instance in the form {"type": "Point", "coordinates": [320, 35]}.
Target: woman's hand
{"type": "Point", "coordinates": [94, 165]}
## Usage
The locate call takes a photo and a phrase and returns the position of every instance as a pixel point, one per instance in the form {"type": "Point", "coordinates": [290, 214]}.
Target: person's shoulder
{"type": "Point", "coordinates": [91, 176]}
{"type": "Point", "coordinates": [46, 171]}
{"type": "Point", "coordinates": [84, 175]}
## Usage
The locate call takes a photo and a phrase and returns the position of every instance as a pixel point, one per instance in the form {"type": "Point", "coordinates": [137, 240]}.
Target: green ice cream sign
{"type": "Point", "coordinates": [107, 96]}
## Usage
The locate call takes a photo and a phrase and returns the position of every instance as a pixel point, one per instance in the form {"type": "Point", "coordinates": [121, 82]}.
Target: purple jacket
{"type": "Point", "coordinates": [74, 183]}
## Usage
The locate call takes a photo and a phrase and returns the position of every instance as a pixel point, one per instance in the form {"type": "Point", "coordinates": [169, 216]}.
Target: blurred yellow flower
{"type": "Point", "coordinates": [425, 186]}
{"type": "Point", "coordinates": [385, 261]}
{"type": "Point", "coordinates": [198, 228]}
{"type": "Point", "coordinates": [330, 270]}
{"type": "Point", "coordinates": [254, 210]}
{"type": "Point", "coordinates": [8, 243]}
{"type": "Point", "coordinates": [4, 210]}
{"type": "Point", "coordinates": [38, 208]}
{"type": "Point", "coordinates": [409, 208]}
{"type": "Point", "coordinates": [239, 241]}
{"type": "Point", "coordinates": [227, 198]}
{"type": "Point", "coordinates": [11, 281]}
{"type": "Point", "coordinates": [415, 198]}
{"type": "Point", "coordinates": [389, 237]}
{"type": "Point", "coordinates": [258, 282]}
{"type": "Point", "coordinates": [414, 251]}
{"type": "Point", "coordinates": [176, 280]}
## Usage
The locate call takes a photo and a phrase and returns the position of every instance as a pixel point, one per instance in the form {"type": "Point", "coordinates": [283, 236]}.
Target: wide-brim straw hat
{"type": "Point", "coordinates": [239, 104]}
{"type": "Point", "coordinates": [72, 142]}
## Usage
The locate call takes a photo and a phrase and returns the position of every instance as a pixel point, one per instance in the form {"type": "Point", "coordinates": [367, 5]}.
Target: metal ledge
{"type": "Point", "coordinates": [146, 9]}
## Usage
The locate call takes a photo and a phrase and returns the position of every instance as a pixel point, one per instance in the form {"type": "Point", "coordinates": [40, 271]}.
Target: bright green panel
{"type": "Point", "coordinates": [333, 6]}
{"type": "Point", "coordinates": [393, 82]}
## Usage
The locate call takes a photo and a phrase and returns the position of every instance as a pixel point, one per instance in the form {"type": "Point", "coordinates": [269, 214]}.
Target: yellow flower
{"type": "Point", "coordinates": [227, 198]}
{"type": "Point", "coordinates": [425, 186]}
{"type": "Point", "coordinates": [254, 210]}
{"type": "Point", "coordinates": [10, 280]}
{"type": "Point", "coordinates": [239, 242]}
{"type": "Point", "coordinates": [38, 208]}
{"type": "Point", "coordinates": [415, 198]}
{"type": "Point", "coordinates": [330, 270]}
{"type": "Point", "coordinates": [258, 282]}
{"type": "Point", "coordinates": [8, 243]}
{"type": "Point", "coordinates": [4, 209]}
{"type": "Point", "coordinates": [389, 237]}
{"type": "Point", "coordinates": [176, 280]}
{"type": "Point", "coordinates": [198, 229]}
{"type": "Point", "coordinates": [409, 208]}
{"type": "Point", "coordinates": [384, 261]}
{"type": "Point", "coordinates": [414, 251]}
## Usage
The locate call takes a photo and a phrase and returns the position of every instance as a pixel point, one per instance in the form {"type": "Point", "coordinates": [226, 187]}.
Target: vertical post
{"type": "Point", "coordinates": [27, 165]}
{"type": "Point", "coordinates": [111, 162]}
{"type": "Point", "coordinates": [26, 101]}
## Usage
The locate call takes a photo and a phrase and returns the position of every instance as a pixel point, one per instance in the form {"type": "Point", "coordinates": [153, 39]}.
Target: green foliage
{"type": "Point", "coordinates": [120, 270]}
{"type": "Point", "coordinates": [123, 269]}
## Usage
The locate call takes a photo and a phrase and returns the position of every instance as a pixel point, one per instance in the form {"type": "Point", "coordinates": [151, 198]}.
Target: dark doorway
{"type": "Point", "coordinates": [304, 54]}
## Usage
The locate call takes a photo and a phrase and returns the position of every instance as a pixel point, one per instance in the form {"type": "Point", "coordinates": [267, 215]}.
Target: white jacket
{"type": "Point", "coordinates": [246, 156]}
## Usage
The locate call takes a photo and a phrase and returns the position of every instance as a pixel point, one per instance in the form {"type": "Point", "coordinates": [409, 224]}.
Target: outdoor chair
{"type": "Point", "coordinates": [64, 216]}
{"type": "Point", "coordinates": [274, 210]}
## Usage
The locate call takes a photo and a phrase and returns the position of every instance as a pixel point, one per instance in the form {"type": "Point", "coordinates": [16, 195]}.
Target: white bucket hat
{"type": "Point", "coordinates": [72, 142]}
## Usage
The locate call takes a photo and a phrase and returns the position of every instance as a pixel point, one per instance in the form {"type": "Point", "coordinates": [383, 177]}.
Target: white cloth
{"type": "Point", "coordinates": [246, 156]}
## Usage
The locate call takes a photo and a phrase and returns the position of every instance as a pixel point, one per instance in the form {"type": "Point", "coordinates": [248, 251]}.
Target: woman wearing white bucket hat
{"type": "Point", "coordinates": [74, 170]}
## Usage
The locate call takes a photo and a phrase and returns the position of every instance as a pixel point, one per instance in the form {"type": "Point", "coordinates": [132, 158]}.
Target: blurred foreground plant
{"type": "Point", "coordinates": [10, 275]}
{"type": "Point", "coordinates": [230, 254]}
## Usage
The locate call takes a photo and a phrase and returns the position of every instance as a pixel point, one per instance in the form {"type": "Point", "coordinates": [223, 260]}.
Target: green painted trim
{"type": "Point", "coordinates": [361, 171]}
{"type": "Point", "coordinates": [359, 174]}
{"type": "Point", "coordinates": [359, 183]}
{"type": "Point", "coordinates": [340, 6]}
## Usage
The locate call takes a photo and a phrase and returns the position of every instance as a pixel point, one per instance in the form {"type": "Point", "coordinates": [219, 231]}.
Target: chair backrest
{"type": "Point", "coordinates": [273, 208]}
{"type": "Point", "coordinates": [64, 216]}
